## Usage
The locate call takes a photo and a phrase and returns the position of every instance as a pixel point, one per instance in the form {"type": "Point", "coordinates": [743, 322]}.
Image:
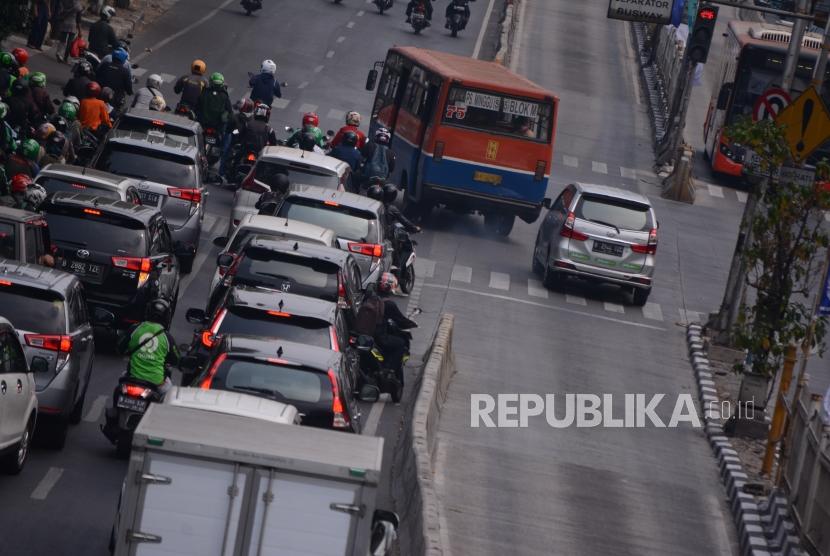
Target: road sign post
{"type": "Point", "coordinates": [807, 123]}
{"type": "Point", "coordinates": [770, 104]}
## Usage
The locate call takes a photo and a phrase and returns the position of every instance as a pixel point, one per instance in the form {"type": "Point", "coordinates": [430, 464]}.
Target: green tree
{"type": "Point", "coordinates": [13, 15]}
{"type": "Point", "coordinates": [784, 255]}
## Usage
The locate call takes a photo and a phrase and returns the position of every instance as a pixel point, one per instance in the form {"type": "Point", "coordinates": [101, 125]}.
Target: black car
{"type": "Point", "coordinates": [262, 312]}
{"type": "Point", "coordinates": [319, 382]}
{"type": "Point", "coordinates": [295, 267]}
{"type": "Point", "coordinates": [122, 253]}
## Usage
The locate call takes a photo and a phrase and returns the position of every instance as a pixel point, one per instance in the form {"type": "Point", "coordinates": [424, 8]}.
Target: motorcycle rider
{"type": "Point", "coordinates": [37, 84]}
{"type": "Point", "coordinates": [61, 144]}
{"type": "Point", "coordinates": [25, 194]}
{"type": "Point", "coordinates": [258, 134]}
{"type": "Point", "coordinates": [352, 124]}
{"type": "Point", "coordinates": [269, 201]}
{"type": "Point", "coordinates": [8, 138]}
{"type": "Point", "coordinates": [347, 151]}
{"type": "Point", "coordinates": [21, 57]}
{"type": "Point", "coordinates": [23, 111]}
{"type": "Point", "coordinates": [8, 73]}
{"type": "Point", "coordinates": [387, 194]}
{"type": "Point", "coordinates": [414, 4]}
{"type": "Point", "coordinates": [190, 87]}
{"type": "Point", "coordinates": [147, 93]}
{"type": "Point", "coordinates": [309, 125]}
{"type": "Point", "coordinates": [94, 114]}
{"type": "Point", "coordinates": [451, 9]}
{"type": "Point", "coordinates": [214, 109]}
{"type": "Point", "coordinates": [238, 124]}
{"type": "Point", "coordinates": [102, 38]}
{"type": "Point", "coordinates": [77, 85]}
{"type": "Point", "coordinates": [116, 76]}
{"type": "Point", "coordinates": [379, 158]}
{"type": "Point", "coordinates": [24, 159]}
{"type": "Point", "coordinates": [151, 347]}
{"type": "Point", "coordinates": [264, 87]}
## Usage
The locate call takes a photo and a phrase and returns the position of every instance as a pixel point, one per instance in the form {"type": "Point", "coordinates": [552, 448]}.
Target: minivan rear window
{"type": "Point", "coordinates": [148, 164]}
{"type": "Point", "coordinates": [103, 233]}
{"type": "Point", "coordinates": [625, 215]}
{"type": "Point", "coordinates": [266, 172]}
{"type": "Point", "coordinates": [279, 382]}
{"type": "Point", "coordinates": [53, 185]}
{"type": "Point", "coordinates": [347, 222]}
{"type": "Point", "coordinates": [140, 126]}
{"type": "Point", "coordinates": [255, 322]}
{"type": "Point", "coordinates": [284, 272]}
{"type": "Point", "coordinates": [33, 310]}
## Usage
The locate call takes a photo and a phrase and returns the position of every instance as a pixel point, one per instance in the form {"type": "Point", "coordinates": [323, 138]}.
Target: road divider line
{"type": "Point", "coordinates": [47, 483]}
{"type": "Point", "coordinates": [535, 288]}
{"type": "Point", "coordinates": [571, 161]}
{"type": "Point", "coordinates": [715, 191]}
{"type": "Point", "coordinates": [652, 311]}
{"type": "Point", "coordinates": [93, 414]}
{"type": "Point", "coordinates": [628, 173]}
{"type": "Point", "coordinates": [303, 85]}
{"type": "Point", "coordinates": [461, 274]}
{"type": "Point", "coordinates": [282, 103]}
{"type": "Point", "coordinates": [599, 167]}
{"type": "Point", "coordinates": [360, 13]}
{"type": "Point", "coordinates": [613, 307]}
{"type": "Point", "coordinates": [544, 306]}
{"type": "Point", "coordinates": [340, 39]}
{"type": "Point", "coordinates": [576, 300]}
{"type": "Point", "coordinates": [318, 69]}
{"type": "Point", "coordinates": [483, 30]}
{"type": "Point", "coordinates": [499, 281]}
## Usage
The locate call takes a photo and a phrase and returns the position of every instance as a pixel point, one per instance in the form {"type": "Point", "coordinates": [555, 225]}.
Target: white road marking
{"type": "Point", "coordinates": [330, 54]}
{"type": "Point", "coordinates": [167, 77]}
{"type": "Point", "coordinates": [93, 414]}
{"type": "Point", "coordinates": [689, 316]}
{"type": "Point", "coordinates": [614, 307]}
{"type": "Point", "coordinates": [318, 69]}
{"type": "Point", "coordinates": [350, 25]}
{"type": "Point", "coordinates": [307, 108]}
{"type": "Point", "coordinates": [341, 39]}
{"type": "Point", "coordinates": [554, 308]}
{"type": "Point", "coordinates": [360, 13]}
{"type": "Point", "coordinates": [281, 103]}
{"type": "Point", "coordinates": [303, 85]}
{"type": "Point", "coordinates": [571, 161]}
{"type": "Point", "coordinates": [47, 483]}
{"type": "Point", "coordinates": [575, 300]}
{"type": "Point", "coordinates": [628, 173]}
{"type": "Point", "coordinates": [462, 274]}
{"type": "Point", "coordinates": [484, 24]}
{"type": "Point", "coordinates": [715, 190]}
{"type": "Point", "coordinates": [536, 289]}
{"type": "Point", "coordinates": [742, 197]}
{"type": "Point", "coordinates": [373, 420]}
{"type": "Point", "coordinates": [424, 267]}
{"type": "Point", "coordinates": [499, 281]}
{"type": "Point", "coordinates": [138, 72]}
{"type": "Point", "coordinates": [652, 311]}
{"type": "Point", "coordinates": [599, 167]}
{"type": "Point", "coordinates": [335, 114]}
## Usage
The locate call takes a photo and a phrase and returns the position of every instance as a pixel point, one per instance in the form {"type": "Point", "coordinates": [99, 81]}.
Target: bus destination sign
{"type": "Point", "coordinates": [647, 11]}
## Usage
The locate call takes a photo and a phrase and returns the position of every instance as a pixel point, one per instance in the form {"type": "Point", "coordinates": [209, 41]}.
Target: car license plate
{"type": "Point", "coordinates": [608, 248]}
{"type": "Point", "coordinates": [86, 269]}
{"type": "Point", "coordinates": [210, 140]}
{"type": "Point", "coordinates": [133, 404]}
{"type": "Point", "coordinates": [149, 198]}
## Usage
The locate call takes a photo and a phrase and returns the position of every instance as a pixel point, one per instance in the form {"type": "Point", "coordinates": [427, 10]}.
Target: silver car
{"type": "Point", "coordinates": [599, 233]}
{"type": "Point", "coordinates": [78, 179]}
{"type": "Point", "coordinates": [48, 309]}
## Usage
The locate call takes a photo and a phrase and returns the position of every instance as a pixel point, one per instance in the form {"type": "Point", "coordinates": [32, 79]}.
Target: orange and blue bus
{"type": "Point", "coordinates": [469, 135]}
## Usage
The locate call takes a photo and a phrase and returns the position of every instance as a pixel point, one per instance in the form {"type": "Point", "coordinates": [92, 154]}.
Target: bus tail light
{"type": "Point", "coordinates": [540, 170]}
{"type": "Point", "coordinates": [438, 154]}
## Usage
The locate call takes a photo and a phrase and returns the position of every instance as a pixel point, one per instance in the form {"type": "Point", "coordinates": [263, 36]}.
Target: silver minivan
{"type": "Point", "coordinates": [599, 233]}
{"type": "Point", "coordinates": [18, 403]}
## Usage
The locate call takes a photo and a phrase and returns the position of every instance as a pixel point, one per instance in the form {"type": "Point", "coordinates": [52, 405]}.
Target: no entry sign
{"type": "Point", "coordinates": [770, 104]}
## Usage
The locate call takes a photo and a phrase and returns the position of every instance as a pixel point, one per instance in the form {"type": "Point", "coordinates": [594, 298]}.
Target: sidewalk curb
{"type": "Point", "coordinates": [763, 528]}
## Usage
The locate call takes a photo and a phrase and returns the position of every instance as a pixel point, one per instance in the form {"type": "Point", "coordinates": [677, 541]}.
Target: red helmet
{"type": "Point", "coordinates": [93, 89]}
{"type": "Point", "coordinates": [20, 182]}
{"type": "Point", "coordinates": [246, 106]}
{"type": "Point", "coordinates": [311, 118]}
{"type": "Point", "coordinates": [21, 56]}
{"type": "Point", "coordinates": [387, 283]}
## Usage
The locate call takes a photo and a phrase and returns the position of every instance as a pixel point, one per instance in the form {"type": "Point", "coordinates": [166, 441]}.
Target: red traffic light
{"type": "Point", "coordinates": [707, 13]}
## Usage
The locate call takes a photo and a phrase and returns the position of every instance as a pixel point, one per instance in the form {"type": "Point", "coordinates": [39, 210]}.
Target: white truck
{"type": "Point", "coordinates": [205, 483]}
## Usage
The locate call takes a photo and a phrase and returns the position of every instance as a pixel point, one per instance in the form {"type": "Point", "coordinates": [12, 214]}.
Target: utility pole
{"type": "Point", "coordinates": [794, 50]}
{"type": "Point", "coordinates": [821, 64]}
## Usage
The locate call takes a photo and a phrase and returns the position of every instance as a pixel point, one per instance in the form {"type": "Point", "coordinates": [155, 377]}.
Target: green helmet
{"type": "Point", "coordinates": [6, 60]}
{"type": "Point", "coordinates": [4, 109]}
{"type": "Point", "coordinates": [68, 111]}
{"type": "Point", "coordinates": [217, 79]}
{"type": "Point", "coordinates": [30, 149]}
{"type": "Point", "coordinates": [38, 79]}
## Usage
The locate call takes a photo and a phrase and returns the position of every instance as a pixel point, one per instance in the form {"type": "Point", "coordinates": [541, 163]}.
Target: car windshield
{"type": "Point", "coordinates": [33, 309]}
{"type": "Point", "coordinates": [625, 215]}
{"type": "Point", "coordinates": [492, 112]}
{"type": "Point", "coordinates": [266, 172]}
{"type": "Point", "coordinates": [53, 185]}
{"type": "Point", "coordinates": [280, 382]}
{"type": "Point", "coordinates": [255, 322]}
{"type": "Point", "coordinates": [7, 241]}
{"type": "Point", "coordinates": [147, 164]}
{"type": "Point", "coordinates": [101, 233]}
{"type": "Point", "coordinates": [284, 272]}
{"type": "Point", "coordinates": [347, 222]}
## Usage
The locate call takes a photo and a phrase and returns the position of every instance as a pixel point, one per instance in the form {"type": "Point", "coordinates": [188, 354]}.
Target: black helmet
{"type": "Point", "coordinates": [60, 123]}
{"type": "Point", "coordinates": [280, 183]}
{"type": "Point", "coordinates": [350, 139]}
{"type": "Point", "coordinates": [19, 88]}
{"type": "Point", "coordinates": [159, 311]}
{"type": "Point", "coordinates": [375, 192]}
{"type": "Point", "coordinates": [390, 193]}
{"type": "Point", "coordinates": [308, 141]}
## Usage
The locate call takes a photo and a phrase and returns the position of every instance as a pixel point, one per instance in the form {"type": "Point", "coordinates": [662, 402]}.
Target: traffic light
{"type": "Point", "coordinates": [701, 37]}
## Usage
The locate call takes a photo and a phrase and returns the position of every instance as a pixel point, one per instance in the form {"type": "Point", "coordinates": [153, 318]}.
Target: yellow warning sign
{"type": "Point", "coordinates": [807, 122]}
{"type": "Point", "coordinates": [492, 150]}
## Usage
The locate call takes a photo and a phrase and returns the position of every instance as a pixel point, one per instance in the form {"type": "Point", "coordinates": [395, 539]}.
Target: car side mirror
{"type": "Point", "coordinates": [195, 316]}
{"type": "Point", "coordinates": [220, 241]}
{"type": "Point", "coordinates": [369, 393]}
{"type": "Point", "coordinates": [385, 526]}
{"type": "Point", "coordinates": [371, 79]}
{"type": "Point", "coordinates": [723, 96]}
{"type": "Point", "coordinates": [102, 317]}
{"type": "Point", "coordinates": [39, 365]}
{"type": "Point", "coordinates": [547, 203]}
{"type": "Point", "coordinates": [224, 260]}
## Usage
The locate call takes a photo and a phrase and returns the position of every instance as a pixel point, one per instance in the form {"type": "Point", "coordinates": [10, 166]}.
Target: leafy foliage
{"type": "Point", "coordinates": [13, 16]}
{"type": "Point", "coordinates": [785, 253]}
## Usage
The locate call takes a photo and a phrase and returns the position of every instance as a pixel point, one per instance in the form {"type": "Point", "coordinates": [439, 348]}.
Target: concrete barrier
{"type": "Point", "coordinates": [508, 32]}
{"type": "Point", "coordinates": [413, 486]}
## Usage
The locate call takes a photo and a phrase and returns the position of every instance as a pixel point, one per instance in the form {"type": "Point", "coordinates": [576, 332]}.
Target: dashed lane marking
{"type": "Point", "coordinates": [628, 173]}
{"type": "Point", "coordinates": [281, 103]}
{"type": "Point", "coordinates": [462, 274]}
{"type": "Point", "coordinates": [576, 300]}
{"type": "Point", "coordinates": [167, 77]}
{"type": "Point", "coordinates": [47, 483]}
{"type": "Point", "coordinates": [571, 161]}
{"type": "Point", "coordinates": [340, 39]}
{"type": "Point", "coordinates": [360, 13]}
{"type": "Point", "coordinates": [330, 54]}
{"type": "Point", "coordinates": [318, 69]}
{"type": "Point", "coordinates": [599, 167]}
{"type": "Point", "coordinates": [652, 311]}
{"type": "Point", "coordinates": [741, 196]}
{"type": "Point", "coordinates": [535, 288]}
{"type": "Point", "coordinates": [303, 85]}
{"type": "Point", "coordinates": [613, 307]}
{"type": "Point", "coordinates": [138, 72]}
{"type": "Point", "coordinates": [715, 190]}
{"type": "Point", "coordinates": [94, 412]}
{"type": "Point", "coordinates": [307, 108]}
{"type": "Point", "coordinates": [350, 25]}
{"type": "Point", "coordinates": [335, 114]}
{"type": "Point", "coordinates": [425, 268]}
{"type": "Point", "coordinates": [499, 281]}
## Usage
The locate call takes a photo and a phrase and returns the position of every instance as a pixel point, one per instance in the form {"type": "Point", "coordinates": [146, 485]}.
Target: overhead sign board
{"type": "Point", "coordinates": [770, 104]}
{"type": "Point", "coordinates": [807, 123]}
{"type": "Point", "coordinates": [647, 11]}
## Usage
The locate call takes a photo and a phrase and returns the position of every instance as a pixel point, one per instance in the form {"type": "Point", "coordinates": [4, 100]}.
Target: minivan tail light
{"type": "Point", "coordinates": [650, 248]}
{"type": "Point", "coordinates": [62, 344]}
{"type": "Point", "coordinates": [208, 380]}
{"type": "Point", "coordinates": [568, 229]}
{"type": "Point", "coordinates": [141, 265]}
{"type": "Point", "coordinates": [340, 421]}
{"type": "Point", "coordinates": [192, 195]}
{"type": "Point", "coordinates": [369, 249]}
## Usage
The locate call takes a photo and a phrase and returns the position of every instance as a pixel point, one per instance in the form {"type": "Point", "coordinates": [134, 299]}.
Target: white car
{"type": "Point", "coordinates": [18, 402]}
{"type": "Point", "coordinates": [307, 168]}
{"type": "Point", "coordinates": [233, 403]}
{"type": "Point", "coordinates": [271, 226]}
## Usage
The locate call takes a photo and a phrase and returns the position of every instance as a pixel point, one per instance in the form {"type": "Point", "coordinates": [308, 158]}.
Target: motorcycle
{"type": "Point", "coordinates": [213, 145]}
{"type": "Point", "coordinates": [184, 109]}
{"type": "Point", "coordinates": [418, 19]}
{"type": "Point", "coordinates": [374, 375]}
{"type": "Point", "coordinates": [242, 160]}
{"type": "Point", "coordinates": [457, 20]}
{"type": "Point", "coordinates": [404, 250]}
{"type": "Point", "coordinates": [132, 398]}
{"type": "Point", "coordinates": [383, 5]}
{"type": "Point", "coordinates": [251, 6]}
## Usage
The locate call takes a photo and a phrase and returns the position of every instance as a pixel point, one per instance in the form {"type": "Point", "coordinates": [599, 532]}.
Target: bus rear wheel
{"type": "Point", "coordinates": [499, 224]}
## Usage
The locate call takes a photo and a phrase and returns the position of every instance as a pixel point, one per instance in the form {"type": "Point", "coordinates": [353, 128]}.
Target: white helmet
{"type": "Point", "coordinates": [157, 103]}
{"type": "Point", "coordinates": [353, 118]}
{"type": "Point", "coordinates": [154, 81]}
{"type": "Point", "coordinates": [34, 195]}
{"type": "Point", "coordinates": [268, 66]}
{"type": "Point", "coordinates": [107, 13]}
{"type": "Point", "coordinates": [73, 100]}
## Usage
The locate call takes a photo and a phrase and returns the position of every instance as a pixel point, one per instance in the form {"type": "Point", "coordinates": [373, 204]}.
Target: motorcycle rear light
{"type": "Point", "coordinates": [192, 195]}
{"type": "Point", "coordinates": [135, 391]}
{"type": "Point", "coordinates": [251, 157]}
{"type": "Point", "coordinates": [62, 344]}
{"type": "Point", "coordinates": [540, 170]}
{"type": "Point", "coordinates": [210, 131]}
{"type": "Point", "coordinates": [208, 380]}
{"type": "Point", "coordinates": [142, 265]}
{"type": "Point", "coordinates": [369, 249]}
{"type": "Point", "coordinates": [568, 229]}
{"type": "Point", "coordinates": [331, 203]}
{"type": "Point", "coordinates": [340, 421]}
{"type": "Point", "coordinates": [159, 123]}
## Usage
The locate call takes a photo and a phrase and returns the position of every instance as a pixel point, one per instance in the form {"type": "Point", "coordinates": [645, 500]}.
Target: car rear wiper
{"type": "Point", "coordinates": [131, 175]}
{"type": "Point", "coordinates": [605, 224]}
{"type": "Point", "coordinates": [273, 394]}
{"type": "Point", "coordinates": [81, 243]}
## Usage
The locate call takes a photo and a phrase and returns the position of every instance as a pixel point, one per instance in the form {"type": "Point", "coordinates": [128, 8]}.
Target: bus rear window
{"type": "Point", "coordinates": [497, 113]}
